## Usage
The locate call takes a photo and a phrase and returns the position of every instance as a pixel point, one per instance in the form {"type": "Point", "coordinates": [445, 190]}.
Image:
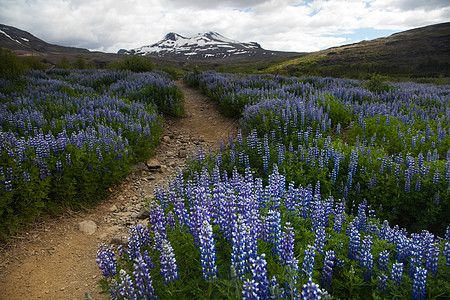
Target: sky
{"type": "Point", "coordinates": [283, 25]}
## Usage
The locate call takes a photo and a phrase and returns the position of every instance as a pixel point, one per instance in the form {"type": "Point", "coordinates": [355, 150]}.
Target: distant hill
{"type": "Point", "coordinates": [25, 44]}
{"type": "Point", "coordinates": [419, 52]}
{"type": "Point", "coordinates": [210, 45]}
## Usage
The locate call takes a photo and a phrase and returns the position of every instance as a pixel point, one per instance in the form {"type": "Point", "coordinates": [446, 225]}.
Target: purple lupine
{"type": "Point", "coordinates": [168, 265]}
{"type": "Point", "coordinates": [447, 254]}
{"type": "Point", "coordinates": [419, 283]}
{"type": "Point", "coordinates": [327, 272]}
{"type": "Point", "coordinates": [106, 260]}
{"type": "Point", "coordinates": [436, 177]}
{"type": "Point", "coordinates": [249, 290]}
{"type": "Point", "coordinates": [207, 252]}
{"type": "Point", "coordinates": [354, 243]}
{"type": "Point", "coordinates": [416, 254]}
{"type": "Point", "coordinates": [274, 225]}
{"type": "Point", "coordinates": [126, 287]}
{"type": "Point", "coordinates": [286, 254]}
{"type": "Point", "coordinates": [319, 241]}
{"type": "Point", "coordinates": [157, 218]}
{"type": "Point", "coordinates": [139, 237]}
{"type": "Point", "coordinates": [273, 289]}
{"type": "Point", "coordinates": [432, 260]}
{"type": "Point", "coordinates": [308, 261]}
{"type": "Point", "coordinates": [397, 273]}
{"type": "Point", "coordinates": [407, 182]}
{"type": "Point", "coordinates": [143, 280]}
{"type": "Point", "coordinates": [382, 282]}
{"type": "Point", "coordinates": [362, 218]}
{"type": "Point", "coordinates": [239, 247]}
{"type": "Point", "coordinates": [383, 260]}
{"type": "Point", "coordinates": [311, 291]}
{"type": "Point", "coordinates": [258, 268]}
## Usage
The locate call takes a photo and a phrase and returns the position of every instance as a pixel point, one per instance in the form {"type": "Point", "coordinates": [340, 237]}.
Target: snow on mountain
{"type": "Point", "coordinates": [207, 45]}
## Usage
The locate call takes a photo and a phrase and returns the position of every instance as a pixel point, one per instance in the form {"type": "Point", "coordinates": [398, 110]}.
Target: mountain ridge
{"type": "Point", "coordinates": [202, 46]}
{"type": "Point", "coordinates": [422, 51]}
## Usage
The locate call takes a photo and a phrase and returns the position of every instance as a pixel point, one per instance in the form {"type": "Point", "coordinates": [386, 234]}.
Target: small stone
{"type": "Point", "coordinates": [143, 214]}
{"type": "Point", "coordinates": [140, 166]}
{"type": "Point", "coordinates": [87, 226]}
{"type": "Point", "coordinates": [113, 208]}
{"type": "Point", "coordinates": [182, 154]}
{"type": "Point", "coordinates": [166, 139]}
{"type": "Point", "coordinates": [153, 164]}
{"type": "Point", "coordinates": [119, 241]}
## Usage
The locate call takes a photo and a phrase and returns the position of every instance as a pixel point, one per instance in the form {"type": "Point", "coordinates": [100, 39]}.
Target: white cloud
{"type": "Point", "coordinates": [290, 25]}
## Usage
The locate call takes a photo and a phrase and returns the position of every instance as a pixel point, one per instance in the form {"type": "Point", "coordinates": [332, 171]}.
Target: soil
{"type": "Point", "coordinates": [55, 260]}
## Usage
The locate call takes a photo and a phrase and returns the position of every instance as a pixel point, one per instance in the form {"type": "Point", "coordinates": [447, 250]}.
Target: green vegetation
{"type": "Point", "coordinates": [134, 63]}
{"type": "Point", "coordinates": [67, 136]}
{"type": "Point", "coordinates": [11, 66]}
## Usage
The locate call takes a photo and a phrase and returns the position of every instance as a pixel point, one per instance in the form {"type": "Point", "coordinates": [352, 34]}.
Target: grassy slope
{"type": "Point", "coordinates": [420, 52]}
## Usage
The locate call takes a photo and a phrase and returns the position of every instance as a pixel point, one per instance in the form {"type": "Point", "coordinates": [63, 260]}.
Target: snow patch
{"type": "Point", "coordinates": [7, 35]}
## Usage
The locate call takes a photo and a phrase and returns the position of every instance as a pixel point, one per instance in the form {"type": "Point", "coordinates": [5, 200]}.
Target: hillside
{"type": "Point", "coordinates": [24, 43]}
{"type": "Point", "coordinates": [419, 52]}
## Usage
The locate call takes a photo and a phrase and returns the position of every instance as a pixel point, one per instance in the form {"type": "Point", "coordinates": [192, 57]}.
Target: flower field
{"type": "Point", "coordinates": [67, 136]}
{"type": "Point", "coordinates": [330, 190]}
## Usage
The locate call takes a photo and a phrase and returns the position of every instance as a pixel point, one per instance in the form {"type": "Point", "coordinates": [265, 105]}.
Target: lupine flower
{"type": "Point", "coordinates": [239, 253]}
{"type": "Point", "coordinates": [308, 261]}
{"type": "Point", "coordinates": [126, 287]}
{"type": "Point", "coordinates": [311, 291]}
{"type": "Point", "coordinates": [274, 225]}
{"type": "Point", "coordinates": [287, 245]}
{"type": "Point", "coordinates": [258, 268]}
{"type": "Point", "coordinates": [419, 283]}
{"type": "Point", "coordinates": [169, 269]}
{"type": "Point", "coordinates": [327, 272]}
{"type": "Point", "coordinates": [106, 260]}
{"type": "Point", "coordinates": [416, 255]}
{"type": "Point", "coordinates": [397, 273]}
{"type": "Point", "coordinates": [383, 260]}
{"type": "Point", "coordinates": [447, 254]}
{"type": "Point", "coordinates": [273, 289]}
{"type": "Point", "coordinates": [207, 252]}
{"type": "Point", "coordinates": [143, 280]}
{"type": "Point", "coordinates": [249, 290]}
{"type": "Point", "coordinates": [382, 282]}
{"type": "Point", "coordinates": [432, 260]}
{"type": "Point", "coordinates": [354, 243]}
{"type": "Point", "coordinates": [139, 237]}
{"type": "Point", "coordinates": [366, 257]}
{"type": "Point", "coordinates": [319, 241]}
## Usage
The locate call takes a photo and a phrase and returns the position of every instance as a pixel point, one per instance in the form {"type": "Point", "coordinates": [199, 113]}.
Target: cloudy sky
{"type": "Point", "coordinates": [286, 25]}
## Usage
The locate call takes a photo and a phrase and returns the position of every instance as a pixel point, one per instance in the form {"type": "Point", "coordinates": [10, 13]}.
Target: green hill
{"type": "Point", "coordinates": [420, 52]}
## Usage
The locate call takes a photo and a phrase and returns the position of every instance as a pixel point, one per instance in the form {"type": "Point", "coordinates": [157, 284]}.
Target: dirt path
{"type": "Point", "coordinates": [55, 260]}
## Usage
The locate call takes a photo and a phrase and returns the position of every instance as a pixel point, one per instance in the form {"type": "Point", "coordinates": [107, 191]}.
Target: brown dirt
{"type": "Point", "coordinates": [54, 260]}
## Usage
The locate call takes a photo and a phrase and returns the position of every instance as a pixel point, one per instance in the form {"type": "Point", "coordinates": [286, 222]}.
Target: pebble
{"type": "Point", "coordinates": [87, 226]}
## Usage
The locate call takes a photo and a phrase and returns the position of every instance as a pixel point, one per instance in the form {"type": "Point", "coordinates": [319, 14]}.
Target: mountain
{"type": "Point", "coordinates": [419, 52]}
{"type": "Point", "coordinates": [208, 45]}
{"type": "Point", "coordinates": [25, 44]}
{"type": "Point", "coordinates": [19, 40]}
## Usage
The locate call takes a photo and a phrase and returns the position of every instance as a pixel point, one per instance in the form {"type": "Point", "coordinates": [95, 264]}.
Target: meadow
{"type": "Point", "coordinates": [333, 188]}
{"type": "Point", "coordinates": [67, 136]}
